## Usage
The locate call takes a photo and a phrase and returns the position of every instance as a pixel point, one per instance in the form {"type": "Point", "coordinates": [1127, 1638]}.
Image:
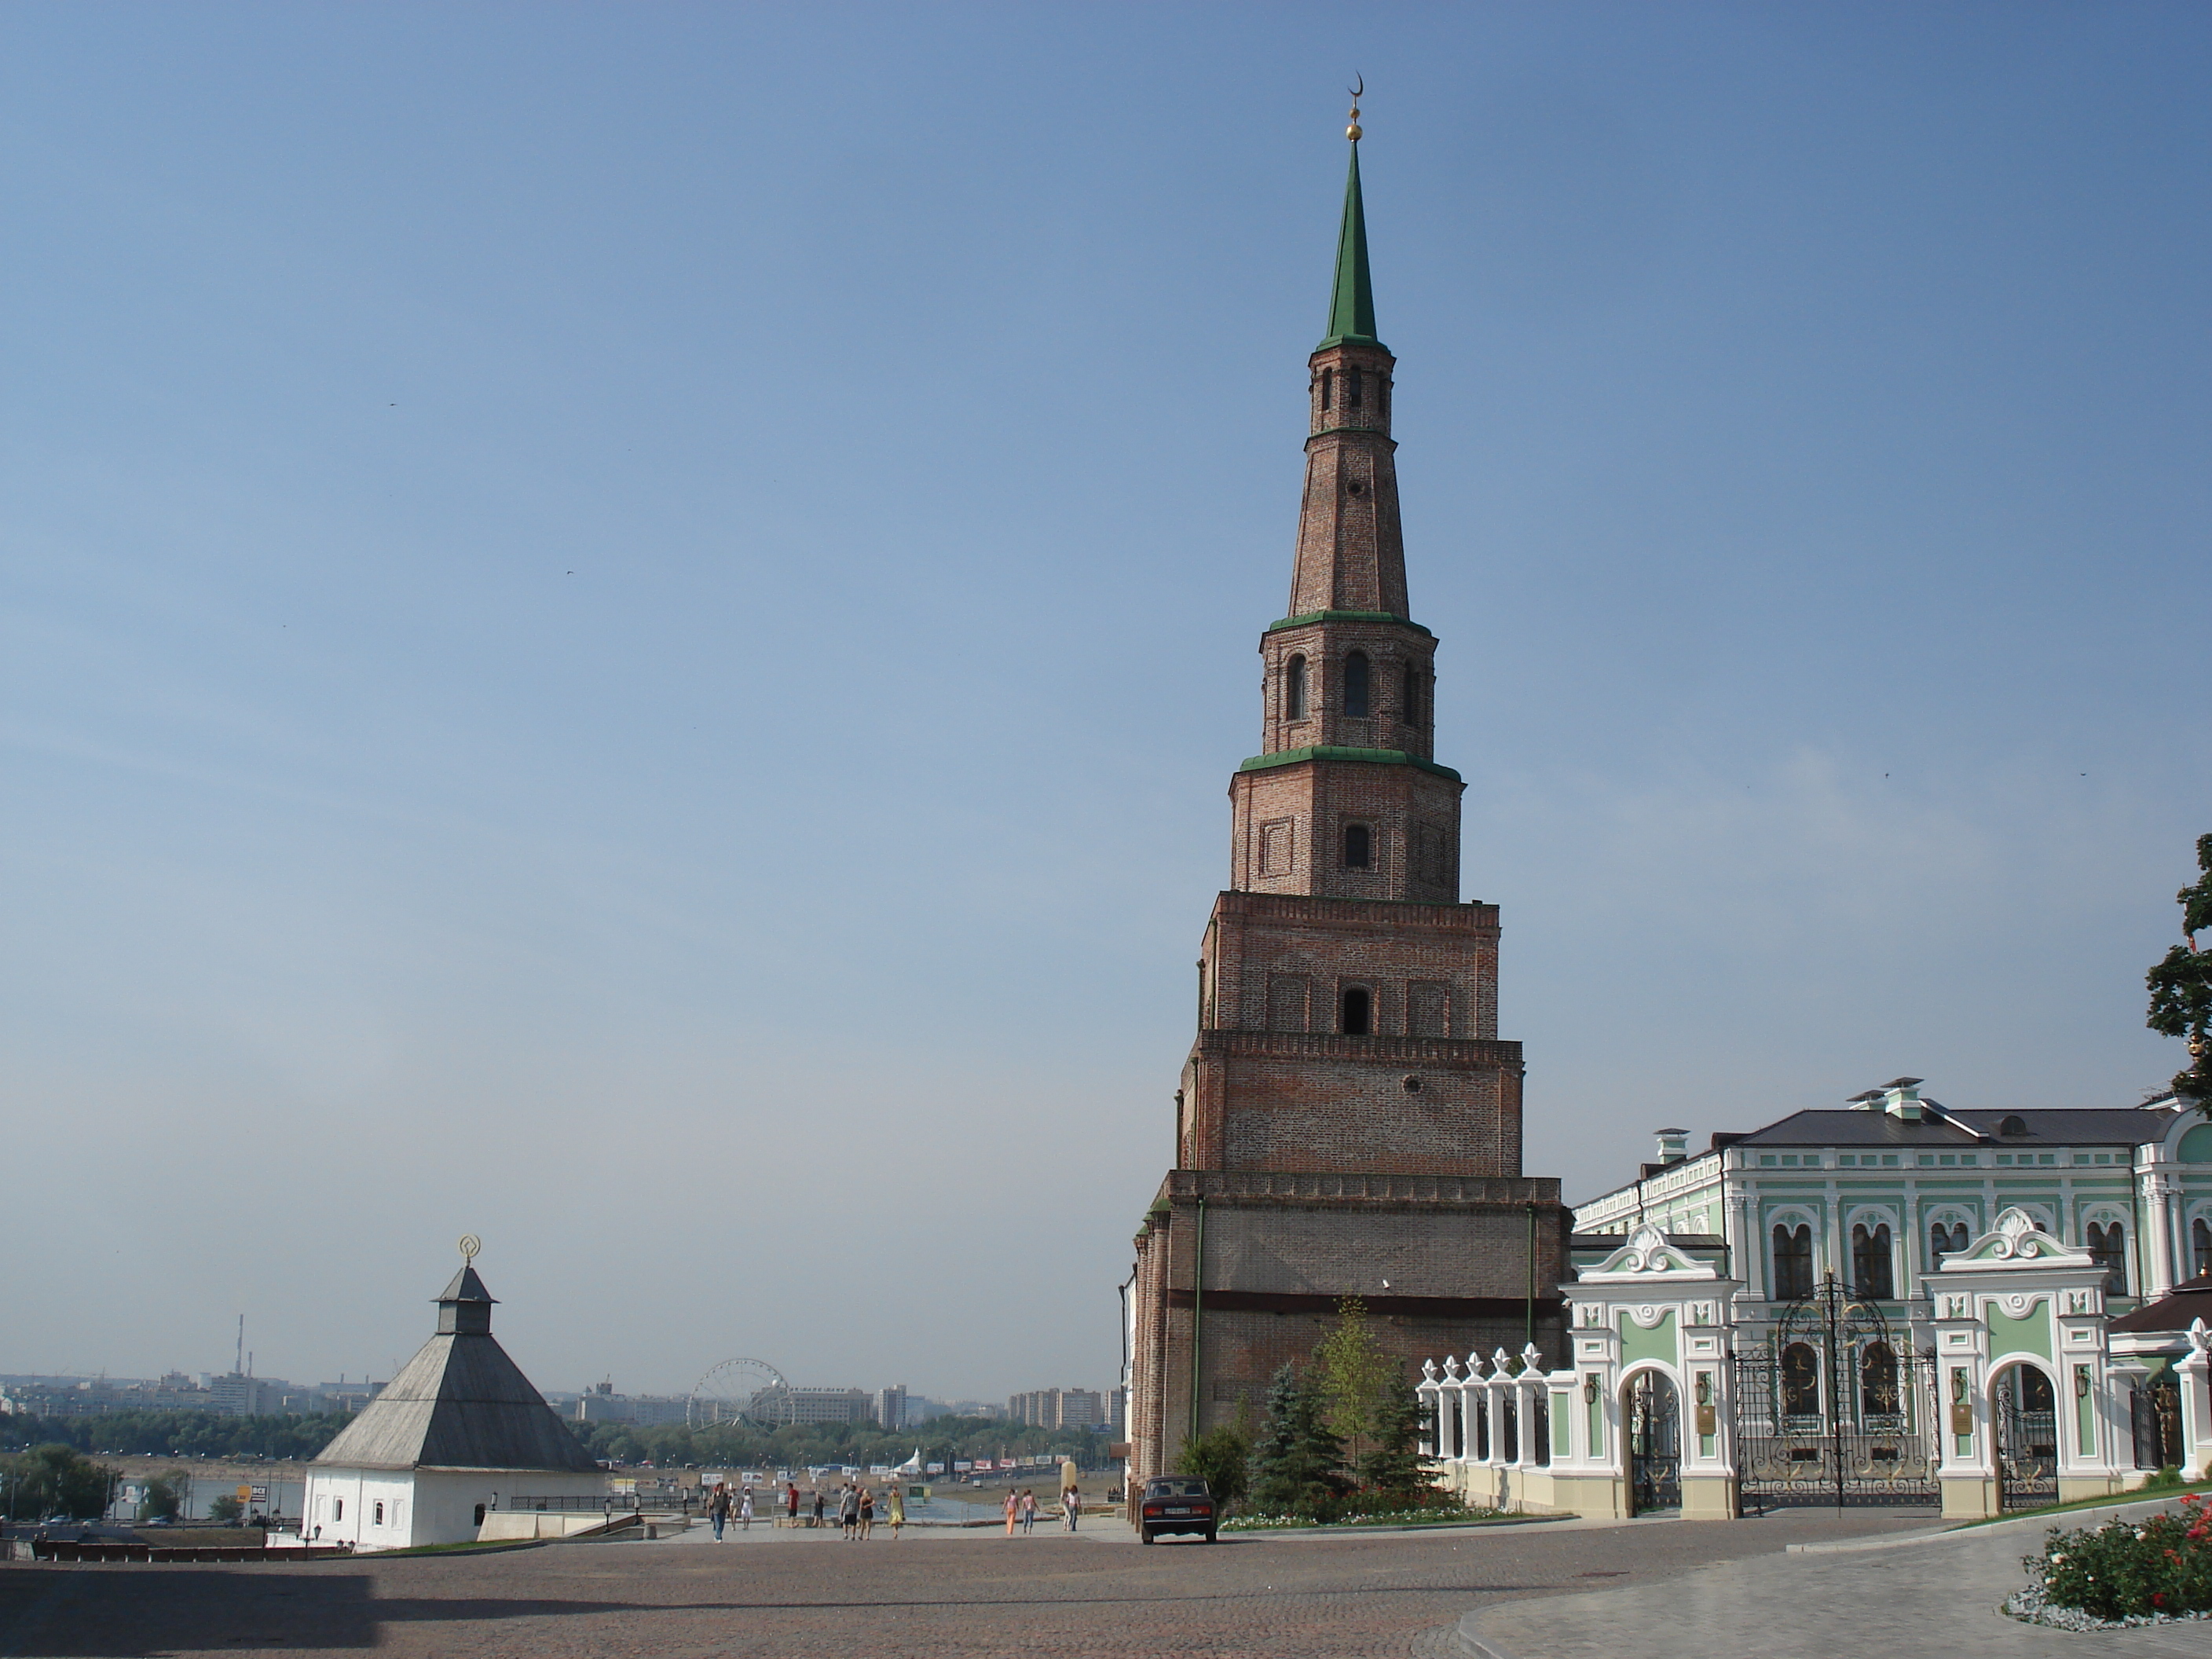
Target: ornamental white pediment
{"type": "Point", "coordinates": [1646, 1254]}
{"type": "Point", "coordinates": [2017, 1240]}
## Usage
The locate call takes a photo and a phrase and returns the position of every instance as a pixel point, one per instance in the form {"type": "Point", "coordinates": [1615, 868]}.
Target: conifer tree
{"type": "Point", "coordinates": [2181, 986]}
{"type": "Point", "coordinates": [1294, 1462]}
{"type": "Point", "coordinates": [1394, 1466]}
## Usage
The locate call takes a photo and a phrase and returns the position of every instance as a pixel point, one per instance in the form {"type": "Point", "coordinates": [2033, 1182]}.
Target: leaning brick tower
{"type": "Point", "coordinates": [1349, 1123]}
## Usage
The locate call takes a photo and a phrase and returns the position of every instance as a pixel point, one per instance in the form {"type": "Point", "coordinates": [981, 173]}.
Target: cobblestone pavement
{"type": "Point", "coordinates": [1931, 1595]}
{"type": "Point", "coordinates": [965, 1593]}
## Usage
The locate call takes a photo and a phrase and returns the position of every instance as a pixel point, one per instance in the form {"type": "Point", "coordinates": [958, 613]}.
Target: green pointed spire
{"type": "Point", "coordinates": [1351, 305]}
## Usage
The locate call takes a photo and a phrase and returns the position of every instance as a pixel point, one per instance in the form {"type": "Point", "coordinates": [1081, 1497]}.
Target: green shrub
{"type": "Point", "coordinates": [1222, 1458]}
{"type": "Point", "coordinates": [2131, 1568]}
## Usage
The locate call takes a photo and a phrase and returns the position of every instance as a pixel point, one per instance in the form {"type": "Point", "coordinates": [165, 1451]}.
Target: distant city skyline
{"type": "Point", "coordinates": [623, 625]}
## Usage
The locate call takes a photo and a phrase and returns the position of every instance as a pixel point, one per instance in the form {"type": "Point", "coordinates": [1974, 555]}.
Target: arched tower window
{"type": "Point", "coordinates": [1792, 1262]}
{"type": "Point", "coordinates": [1356, 677]}
{"type": "Point", "coordinates": [2108, 1248]}
{"type": "Point", "coordinates": [1409, 699]}
{"type": "Point", "coordinates": [1294, 688]}
{"type": "Point", "coordinates": [1328, 388]}
{"type": "Point", "coordinates": [1359, 1010]}
{"type": "Point", "coordinates": [1351, 388]}
{"type": "Point", "coordinates": [1870, 1274]}
{"type": "Point", "coordinates": [1358, 847]}
{"type": "Point", "coordinates": [2200, 1245]}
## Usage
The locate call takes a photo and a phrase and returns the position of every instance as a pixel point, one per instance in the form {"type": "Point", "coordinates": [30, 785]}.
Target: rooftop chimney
{"type": "Point", "coordinates": [1901, 1098]}
{"type": "Point", "coordinates": [1674, 1145]}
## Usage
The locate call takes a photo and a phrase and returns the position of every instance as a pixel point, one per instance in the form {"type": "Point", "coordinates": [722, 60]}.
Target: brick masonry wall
{"type": "Point", "coordinates": [1287, 826]}
{"type": "Point", "coordinates": [1298, 1239]}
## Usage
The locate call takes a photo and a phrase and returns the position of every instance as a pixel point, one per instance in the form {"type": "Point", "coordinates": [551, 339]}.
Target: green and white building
{"type": "Point", "coordinates": [1894, 1302]}
{"type": "Point", "coordinates": [1878, 1192]}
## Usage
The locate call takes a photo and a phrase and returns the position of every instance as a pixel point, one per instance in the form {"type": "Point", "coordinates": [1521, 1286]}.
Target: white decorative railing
{"type": "Point", "coordinates": [1496, 1418]}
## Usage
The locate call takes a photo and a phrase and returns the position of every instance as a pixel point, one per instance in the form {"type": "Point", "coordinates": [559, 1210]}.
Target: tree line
{"type": "Point", "coordinates": [177, 1434]}
{"type": "Point", "coordinates": [798, 1445]}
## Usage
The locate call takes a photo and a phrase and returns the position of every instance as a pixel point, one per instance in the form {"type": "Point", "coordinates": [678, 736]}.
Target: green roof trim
{"type": "Point", "coordinates": [1351, 303]}
{"type": "Point", "coordinates": [1312, 616]}
{"type": "Point", "coordinates": [1331, 752]}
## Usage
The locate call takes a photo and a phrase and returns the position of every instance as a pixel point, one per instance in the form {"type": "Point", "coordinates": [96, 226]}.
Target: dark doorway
{"type": "Point", "coordinates": [1654, 1420]}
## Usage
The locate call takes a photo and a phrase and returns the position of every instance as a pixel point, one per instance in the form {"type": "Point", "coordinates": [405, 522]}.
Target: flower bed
{"type": "Point", "coordinates": [1372, 1512]}
{"type": "Point", "coordinates": [2122, 1573]}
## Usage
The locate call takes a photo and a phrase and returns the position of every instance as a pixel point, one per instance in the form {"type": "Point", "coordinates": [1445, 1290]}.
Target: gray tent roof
{"type": "Point", "coordinates": [459, 1403]}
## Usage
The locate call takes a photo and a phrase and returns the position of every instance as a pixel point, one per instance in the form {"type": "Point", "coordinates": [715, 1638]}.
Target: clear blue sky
{"type": "Point", "coordinates": [624, 627]}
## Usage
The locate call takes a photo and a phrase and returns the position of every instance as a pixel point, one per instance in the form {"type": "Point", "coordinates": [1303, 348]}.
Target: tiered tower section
{"type": "Point", "coordinates": [1395, 1066]}
{"type": "Point", "coordinates": [1349, 1123]}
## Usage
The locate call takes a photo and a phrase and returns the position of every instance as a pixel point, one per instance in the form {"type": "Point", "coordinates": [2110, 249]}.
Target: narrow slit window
{"type": "Point", "coordinates": [1328, 388]}
{"type": "Point", "coordinates": [1356, 677]}
{"type": "Point", "coordinates": [1409, 701]}
{"type": "Point", "coordinates": [1351, 388]}
{"type": "Point", "coordinates": [1359, 1010]}
{"type": "Point", "coordinates": [1358, 847]}
{"type": "Point", "coordinates": [1294, 690]}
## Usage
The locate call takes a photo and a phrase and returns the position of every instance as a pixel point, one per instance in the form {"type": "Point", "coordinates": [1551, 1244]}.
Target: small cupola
{"type": "Point", "coordinates": [1901, 1098]}
{"type": "Point", "coordinates": [465, 1306]}
{"type": "Point", "coordinates": [1674, 1144]}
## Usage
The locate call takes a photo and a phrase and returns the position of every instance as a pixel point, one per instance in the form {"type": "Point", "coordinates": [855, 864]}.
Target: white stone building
{"type": "Point", "coordinates": [456, 1436]}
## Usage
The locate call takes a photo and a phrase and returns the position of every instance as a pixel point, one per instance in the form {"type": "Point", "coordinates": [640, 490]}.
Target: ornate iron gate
{"type": "Point", "coordinates": [1833, 1408]}
{"type": "Point", "coordinates": [1655, 1442]}
{"type": "Point", "coordinates": [2155, 1408]}
{"type": "Point", "coordinates": [2027, 1438]}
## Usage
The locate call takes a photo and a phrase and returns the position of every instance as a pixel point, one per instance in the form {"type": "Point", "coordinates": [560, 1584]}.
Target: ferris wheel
{"type": "Point", "coordinates": [749, 1390]}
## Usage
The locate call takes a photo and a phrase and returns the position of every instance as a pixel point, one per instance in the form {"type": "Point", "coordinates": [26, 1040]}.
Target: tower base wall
{"type": "Point", "coordinates": [1239, 1273]}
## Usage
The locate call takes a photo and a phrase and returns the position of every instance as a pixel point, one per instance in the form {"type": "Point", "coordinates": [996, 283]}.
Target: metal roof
{"type": "Point", "coordinates": [461, 1403]}
{"type": "Point", "coordinates": [2123, 1126]}
{"type": "Point", "coordinates": [2191, 1299]}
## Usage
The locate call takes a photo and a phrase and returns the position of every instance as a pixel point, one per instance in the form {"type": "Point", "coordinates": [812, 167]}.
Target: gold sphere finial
{"type": "Point", "coordinates": [1358, 92]}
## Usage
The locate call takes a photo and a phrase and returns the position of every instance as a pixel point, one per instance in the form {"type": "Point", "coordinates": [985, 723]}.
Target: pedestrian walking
{"type": "Point", "coordinates": [1013, 1509]}
{"type": "Point", "coordinates": [745, 1511]}
{"type": "Point", "coordinates": [1028, 1511]}
{"type": "Point", "coordinates": [867, 1512]}
{"type": "Point", "coordinates": [718, 1508]}
{"type": "Point", "coordinates": [1071, 1505]}
{"type": "Point", "coordinates": [849, 1511]}
{"type": "Point", "coordinates": [899, 1510]}
{"type": "Point", "coordinates": [791, 1501]}
{"type": "Point", "coordinates": [818, 1506]}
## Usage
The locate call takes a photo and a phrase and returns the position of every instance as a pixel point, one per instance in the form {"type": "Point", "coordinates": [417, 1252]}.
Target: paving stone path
{"type": "Point", "coordinates": [796, 1595]}
{"type": "Point", "coordinates": [1933, 1595]}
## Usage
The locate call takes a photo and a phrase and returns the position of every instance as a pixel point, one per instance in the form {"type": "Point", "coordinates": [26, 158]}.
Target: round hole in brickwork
{"type": "Point", "coordinates": [1411, 1083]}
{"type": "Point", "coordinates": [1354, 488]}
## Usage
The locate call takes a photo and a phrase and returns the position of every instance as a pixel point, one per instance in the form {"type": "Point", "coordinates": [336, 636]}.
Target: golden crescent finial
{"type": "Point", "coordinates": [1358, 90]}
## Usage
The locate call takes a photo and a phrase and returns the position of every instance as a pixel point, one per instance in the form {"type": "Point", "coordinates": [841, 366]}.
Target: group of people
{"type": "Point", "coordinates": [1022, 1509]}
{"type": "Point", "coordinates": [722, 1503]}
{"type": "Point", "coordinates": [856, 1508]}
